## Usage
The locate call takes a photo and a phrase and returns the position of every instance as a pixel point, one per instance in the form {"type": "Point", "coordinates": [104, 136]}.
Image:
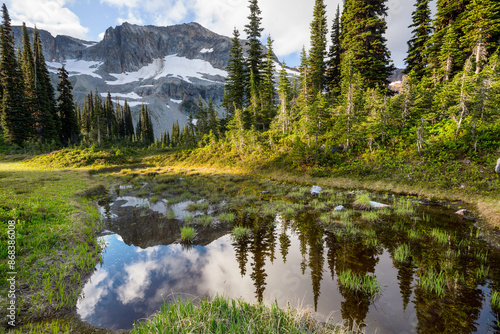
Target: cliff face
{"type": "Point", "coordinates": [167, 68]}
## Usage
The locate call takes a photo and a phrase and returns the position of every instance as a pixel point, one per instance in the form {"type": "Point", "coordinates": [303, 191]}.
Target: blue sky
{"type": "Point", "coordinates": [287, 22]}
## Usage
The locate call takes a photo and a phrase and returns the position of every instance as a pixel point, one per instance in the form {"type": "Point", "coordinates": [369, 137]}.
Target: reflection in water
{"type": "Point", "coordinates": [143, 267]}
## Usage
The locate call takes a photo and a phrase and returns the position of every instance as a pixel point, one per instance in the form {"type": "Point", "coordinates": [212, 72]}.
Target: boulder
{"type": "Point", "coordinates": [339, 208]}
{"type": "Point", "coordinates": [315, 190]}
{"type": "Point", "coordinates": [461, 212]}
{"type": "Point", "coordinates": [377, 205]}
{"type": "Point", "coordinates": [497, 168]}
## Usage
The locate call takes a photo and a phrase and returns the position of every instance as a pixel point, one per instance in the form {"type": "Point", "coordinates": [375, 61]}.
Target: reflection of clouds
{"type": "Point", "coordinates": [93, 292]}
{"type": "Point", "coordinates": [137, 281]}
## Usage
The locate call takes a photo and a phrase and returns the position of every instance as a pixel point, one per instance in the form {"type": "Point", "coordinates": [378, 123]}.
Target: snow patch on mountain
{"type": "Point", "coordinates": [76, 67]}
{"type": "Point", "coordinates": [207, 50]}
{"type": "Point", "coordinates": [170, 66]}
{"type": "Point", "coordinates": [176, 101]}
{"type": "Point", "coordinates": [132, 95]}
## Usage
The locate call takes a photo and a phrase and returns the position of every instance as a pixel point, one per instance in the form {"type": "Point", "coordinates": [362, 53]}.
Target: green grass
{"type": "Point", "coordinates": [433, 282]}
{"type": "Point", "coordinates": [205, 220]}
{"type": "Point", "coordinates": [370, 216]}
{"type": "Point", "coordinates": [56, 223]}
{"type": "Point", "coordinates": [240, 232]}
{"type": "Point", "coordinates": [495, 299]}
{"type": "Point", "coordinates": [187, 234]}
{"type": "Point", "coordinates": [170, 214]}
{"type": "Point", "coordinates": [362, 201]}
{"type": "Point", "coordinates": [366, 285]}
{"type": "Point", "coordinates": [221, 316]}
{"type": "Point", "coordinates": [402, 254]}
{"type": "Point", "coordinates": [404, 206]}
{"type": "Point", "coordinates": [227, 217]}
{"type": "Point", "coordinates": [198, 206]}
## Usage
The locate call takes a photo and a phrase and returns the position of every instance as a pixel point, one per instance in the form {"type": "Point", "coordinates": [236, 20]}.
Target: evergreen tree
{"type": "Point", "coordinates": [449, 54]}
{"type": "Point", "coordinates": [175, 134]}
{"type": "Point", "coordinates": [47, 121]}
{"type": "Point", "coordinates": [15, 117]}
{"type": "Point", "coordinates": [109, 117]}
{"type": "Point", "coordinates": [333, 64]}
{"type": "Point", "coordinates": [129, 124]}
{"type": "Point", "coordinates": [318, 48]}
{"type": "Point", "coordinates": [363, 29]}
{"type": "Point", "coordinates": [284, 119]}
{"type": "Point", "coordinates": [481, 21]}
{"type": "Point", "coordinates": [254, 31]}
{"type": "Point", "coordinates": [416, 60]}
{"type": "Point", "coordinates": [69, 125]}
{"type": "Point", "coordinates": [267, 88]}
{"type": "Point", "coordinates": [236, 82]}
{"type": "Point", "coordinates": [27, 66]}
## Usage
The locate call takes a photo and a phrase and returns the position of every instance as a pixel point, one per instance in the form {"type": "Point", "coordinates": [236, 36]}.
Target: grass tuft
{"type": "Point", "coordinates": [187, 234]}
{"type": "Point", "coordinates": [366, 285]}
{"type": "Point", "coordinates": [240, 232]}
{"type": "Point", "coordinates": [362, 202]}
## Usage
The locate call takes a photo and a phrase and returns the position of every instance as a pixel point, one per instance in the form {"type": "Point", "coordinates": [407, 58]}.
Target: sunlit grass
{"type": "Point", "coordinates": [240, 232]}
{"type": "Point", "coordinates": [222, 315]}
{"type": "Point", "coordinates": [227, 217]}
{"type": "Point", "coordinates": [362, 201]}
{"type": "Point", "coordinates": [433, 281]}
{"type": "Point", "coordinates": [187, 234]}
{"type": "Point", "coordinates": [402, 254]}
{"type": "Point", "coordinates": [367, 285]}
{"type": "Point", "coordinates": [495, 299]}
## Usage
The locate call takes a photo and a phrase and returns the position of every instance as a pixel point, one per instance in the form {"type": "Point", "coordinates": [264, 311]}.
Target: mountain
{"type": "Point", "coordinates": [167, 68]}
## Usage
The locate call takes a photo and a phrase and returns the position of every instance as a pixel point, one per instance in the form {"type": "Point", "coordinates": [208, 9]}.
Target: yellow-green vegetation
{"type": "Point", "coordinates": [227, 217]}
{"type": "Point", "coordinates": [362, 201]}
{"type": "Point", "coordinates": [187, 234]}
{"type": "Point", "coordinates": [56, 245]}
{"type": "Point", "coordinates": [222, 315]}
{"type": "Point", "coordinates": [366, 285]}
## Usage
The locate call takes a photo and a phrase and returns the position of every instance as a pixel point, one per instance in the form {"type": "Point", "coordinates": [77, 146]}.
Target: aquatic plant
{"type": "Point", "coordinates": [366, 285]}
{"type": "Point", "coordinates": [495, 299]}
{"type": "Point", "coordinates": [402, 254]}
{"type": "Point", "coordinates": [187, 234]}
{"type": "Point", "coordinates": [370, 216]}
{"type": "Point", "coordinates": [404, 206]}
{"type": "Point", "coordinates": [439, 236]}
{"type": "Point", "coordinates": [362, 201]}
{"type": "Point", "coordinates": [433, 282]}
{"type": "Point", "coordinates": [240, 232]}
{"type": "Point", "coordinates": [227, 217]}
{"type": "Point", "coordinates": [170, 214]}
{"type": "Point", "coordinates": [205, 220]}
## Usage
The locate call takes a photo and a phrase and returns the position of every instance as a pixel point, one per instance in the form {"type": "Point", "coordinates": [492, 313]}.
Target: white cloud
{"type": "Point", "coordinates": [50, 15]}
{"type": "Point", "coordinates": [133, 17]}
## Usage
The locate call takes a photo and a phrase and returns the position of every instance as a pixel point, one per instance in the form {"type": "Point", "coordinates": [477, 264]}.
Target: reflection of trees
{"type": "Point", "coordinates": [405, 279]}
{"type": "Point", "coordinates": [284, 245]}
{"type": "Point", "coordinates": [241, 248]}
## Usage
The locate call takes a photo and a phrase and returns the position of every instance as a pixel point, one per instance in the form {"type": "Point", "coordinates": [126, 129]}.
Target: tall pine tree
{"type": "Point", "coordinates": [333, 64]}
{"type": "Point", "coordinates": [254, 31]}
{"type": "Point", "coordinates": [69, 125]}
{"type": "Point", "coordinates": [235, 88]}
{"type": "Point", "coordinates": [318, 48]}
{"type": "Point", "coordinates": [416, 60]}
{"type": "Point", "coordinates": [28, 71]}
{"type": "Point", "coordinates": [15, 117]}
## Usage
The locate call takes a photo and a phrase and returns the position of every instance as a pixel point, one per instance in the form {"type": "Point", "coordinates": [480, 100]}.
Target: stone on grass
{"type": "Point", "coordinates": [497, 168]}
{"type": "Point", "coordinates": [339, 208]}
{"type": "Point", "coordinates": [377, 205]}
{"type": "Point", "coordinates": [315, 190]}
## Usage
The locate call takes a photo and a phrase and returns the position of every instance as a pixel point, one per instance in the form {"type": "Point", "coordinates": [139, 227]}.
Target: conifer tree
{"type": "Point", "coordinates": [284, 119]}
{"type": "Point", "coordinates": [317, 52]}
{"type": "Point", "coordinates": [15, 117]}
{"type": "Point", "coordinates": [69, 125]}
{"type": "Point", "coordinates": [481, 22]}
{"type": "Point", "coordinates": [416, 60]}
{"type": "Point", "coordinates": [175, 134]}
{"type": "Point", "coordinates": [236, 82]}
{"type": "Point", "coordinates": [363, 29]}
{"type": "Point", "coordinates": [129, 125]}
{"type": "Point", "coordinates": [27, 66]}
{"type": "Point", "coordinates": [46, 119]}
{"type": "Point", "coordinates": [267, 88]}
{"type": "Point", "coordinates": [109, 117]}
{"type": "Point", "coordinates": [449, 54]}
{"type": "Point", "coordinates": [213, 123]}
{"type": "Point", "coordinates": [333, 64]}
{"type": "Point", "coordinates": [254, 30]}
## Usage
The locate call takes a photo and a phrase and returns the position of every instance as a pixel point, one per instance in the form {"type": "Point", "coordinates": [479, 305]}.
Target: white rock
{"type": "Point", "coordinates": [315, 190]}
{"type": "Point", "coordinates": [339, 208]}
{"type": "Point", "coordinates": [377, 205]}
{"type": "Point", "coordinates": [497, 168]}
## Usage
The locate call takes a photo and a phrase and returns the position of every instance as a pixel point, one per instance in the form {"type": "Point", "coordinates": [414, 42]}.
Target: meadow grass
{"type": "Point", "coordinates": [187, 234]}
{"type": "Point", "coordinates": [370, 216]}
{"type": "Point", "coordinates": [198, 206]}
{"type": "Point", "coordinates": [240, 232]}
{"type": "Point", "coordinates": [221, 316]}
{"type": "Point", "coordinates": [404, 206]}
{"type": "Point", "coordinates": [56, 220]}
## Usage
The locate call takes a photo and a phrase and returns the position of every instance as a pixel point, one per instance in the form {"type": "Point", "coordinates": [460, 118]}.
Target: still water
{"type": "Point", "coordinates": [295, 258]}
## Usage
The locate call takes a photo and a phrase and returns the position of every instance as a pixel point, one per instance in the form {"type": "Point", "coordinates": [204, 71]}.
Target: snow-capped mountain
{"type": "Point", "coordinates": [167, 68]}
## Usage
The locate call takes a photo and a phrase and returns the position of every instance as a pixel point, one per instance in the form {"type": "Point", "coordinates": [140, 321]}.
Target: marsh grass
{"type": "Point", "coordinates": [187, 234]}
{"type": "Point", "coordinates": [370, 216]}
{"type": "Point", "coordinates": [433, 282]}
{"type": "Point", "coordinates": [439, 236]}
{"type": "Point", "coordinates": [362, 201]}
{"type": "Point", "coordinates": [189, 218]}
{"type": "Point", "coordinates": [221, 316]}
{"type": "Point", "coordinates": [154, 199]}
{"type": "Point", "coordinates": [366, 285]}
{"type": "Point", "coordinates": [402, 254]}
{"type": "Point", "coordinates": [170, 214]}
{"type": "Point", "coordinates": [227, 217]}
{"type": "Point", "coordinates": [495, 300]}
{"type": "Point", "coordinates": [198, 206]}
{"type": "Point", "coordinates": [404, 206]}
{"type": "Point", "coordinates": [205, 220]}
